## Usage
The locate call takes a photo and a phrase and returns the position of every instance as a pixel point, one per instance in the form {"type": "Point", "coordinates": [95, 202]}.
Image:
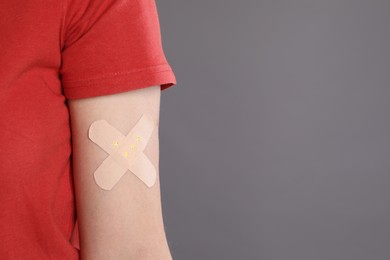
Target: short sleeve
{"type": "Point", "coordinates": [111, 46]}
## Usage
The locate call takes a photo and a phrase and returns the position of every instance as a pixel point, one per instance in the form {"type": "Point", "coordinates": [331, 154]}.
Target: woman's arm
{"type": "Point", "coordinates": [125, 222]}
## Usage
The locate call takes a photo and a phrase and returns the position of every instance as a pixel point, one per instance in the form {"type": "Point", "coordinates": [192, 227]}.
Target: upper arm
{"type": "Point", "coordinates": [116, 223]}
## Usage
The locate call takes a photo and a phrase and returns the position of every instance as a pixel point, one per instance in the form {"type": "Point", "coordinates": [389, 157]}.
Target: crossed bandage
{"type": "Point", "coordinates": [125, 152]}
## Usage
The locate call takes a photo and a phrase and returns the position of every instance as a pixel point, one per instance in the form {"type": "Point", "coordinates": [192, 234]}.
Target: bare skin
{"type": "Point", "coordinates": [125, 222]}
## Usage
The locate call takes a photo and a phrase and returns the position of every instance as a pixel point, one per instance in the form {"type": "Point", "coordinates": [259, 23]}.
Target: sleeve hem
{"type": "Point", "coordinates": [120, 82]}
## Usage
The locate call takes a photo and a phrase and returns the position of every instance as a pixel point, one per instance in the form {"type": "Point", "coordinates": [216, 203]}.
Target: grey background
{"type": "Point", "coordinates": [275, 142]}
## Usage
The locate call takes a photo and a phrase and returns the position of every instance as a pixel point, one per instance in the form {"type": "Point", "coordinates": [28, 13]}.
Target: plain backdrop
{"type": "Point", "coordinates": [274, 144]}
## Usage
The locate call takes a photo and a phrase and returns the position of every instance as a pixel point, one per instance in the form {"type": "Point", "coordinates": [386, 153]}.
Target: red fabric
{"type": "Point", "coordinates": [51, 51]}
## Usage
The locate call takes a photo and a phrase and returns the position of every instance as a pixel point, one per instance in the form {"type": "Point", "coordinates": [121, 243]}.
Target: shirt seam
{"type": "Point", "coordinates": [113, 74]}
{"type": "Point", "coordinates": [62, 33]}
{"type": "Point", "coordinates": [90, 83]}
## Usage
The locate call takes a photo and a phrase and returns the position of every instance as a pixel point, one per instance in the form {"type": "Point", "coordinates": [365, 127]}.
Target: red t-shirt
{"type": "Point", "coordinates": [51, 51]}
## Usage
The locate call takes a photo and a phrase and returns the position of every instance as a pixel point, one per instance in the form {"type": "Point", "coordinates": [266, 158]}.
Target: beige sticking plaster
{"type": "Point", "coordinates": [125, 152]}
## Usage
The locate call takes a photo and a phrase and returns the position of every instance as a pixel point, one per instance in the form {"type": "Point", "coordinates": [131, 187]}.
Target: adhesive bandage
{"type": "Point", "coordinates": [125, 152]}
